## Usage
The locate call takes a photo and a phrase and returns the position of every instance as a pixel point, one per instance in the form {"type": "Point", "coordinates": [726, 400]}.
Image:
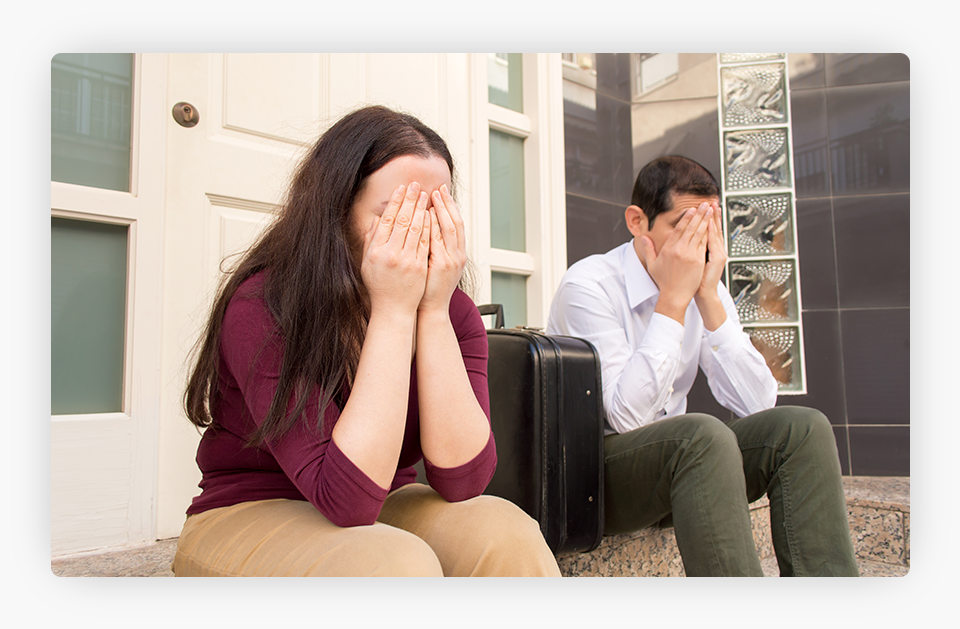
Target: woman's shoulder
{"type": "Point", "coordinates": [247, 309]}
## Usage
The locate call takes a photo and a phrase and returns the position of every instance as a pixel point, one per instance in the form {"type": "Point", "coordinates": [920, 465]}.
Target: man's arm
{"type": "Point", "coordinates": [736, 372]}
{"type": "Point", "coordinates": [738, 376]}
{"type": "Point", "coordinates": [636, 384]}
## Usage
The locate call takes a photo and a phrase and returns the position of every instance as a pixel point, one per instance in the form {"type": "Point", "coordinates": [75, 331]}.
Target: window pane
{"type": "Point", "coordinates": [507, 213]}
{"type": "Point", "coordinates": [505, 79]}
{"type": "Point", "coordinates": [510, 291]}
{"type": "Point", "coordinates": [90, 105]}
{"type": "Point", "coordinates": [88, 300]}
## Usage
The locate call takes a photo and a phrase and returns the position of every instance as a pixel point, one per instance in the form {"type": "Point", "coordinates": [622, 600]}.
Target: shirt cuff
{"type": "Point", "coordinates": [664, 334]}
{"type": "Point", "coordinates": [725, 340]}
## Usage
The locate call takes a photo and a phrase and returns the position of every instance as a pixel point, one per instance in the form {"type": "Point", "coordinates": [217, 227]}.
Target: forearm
{"type": "Point", "coordinates": [711, 309]}
{"type": "Point", "coordinates": [371, 426]}
{"type": "Point", "coordinates": [453, 427]}
{"type": "Point", "coordinates": [637, 389]}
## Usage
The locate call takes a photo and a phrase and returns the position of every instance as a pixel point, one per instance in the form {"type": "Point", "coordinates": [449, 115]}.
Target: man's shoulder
{"type": "Point", "coordinates": [596, 269]}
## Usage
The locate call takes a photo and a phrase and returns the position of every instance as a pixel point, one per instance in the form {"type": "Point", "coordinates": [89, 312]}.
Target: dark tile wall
{"type": "Point", "coordinates": [599, 164]}
{"type": "Point", "coordinates": [851, 130]}
{"type": "Point", "coordinates": [851, 135]}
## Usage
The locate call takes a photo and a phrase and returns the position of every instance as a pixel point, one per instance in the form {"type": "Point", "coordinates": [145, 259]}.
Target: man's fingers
{"type": "Point", "coordinates": [649, 253]}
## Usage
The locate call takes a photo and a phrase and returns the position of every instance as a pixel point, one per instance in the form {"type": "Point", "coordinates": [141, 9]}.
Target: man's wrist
{"type": "Point", "coordinates": [672, 307]}
{"type": "Point", "coordinates": [711, 310]}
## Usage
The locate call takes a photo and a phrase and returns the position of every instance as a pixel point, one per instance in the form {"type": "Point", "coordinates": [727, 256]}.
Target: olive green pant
{"type": "Point", "coordinates": [418, 533]}
{"type": "Point", "coordinates": [699, 474]}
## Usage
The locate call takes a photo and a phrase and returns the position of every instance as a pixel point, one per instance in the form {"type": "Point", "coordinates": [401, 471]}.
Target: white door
{"type": "Point", "coordinates": [106, 206]}
{"type": "Point", "coordinates": [226, 175]}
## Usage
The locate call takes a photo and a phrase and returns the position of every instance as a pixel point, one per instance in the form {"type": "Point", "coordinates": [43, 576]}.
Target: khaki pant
{"type": "Point", "coordinates": [418, 533]}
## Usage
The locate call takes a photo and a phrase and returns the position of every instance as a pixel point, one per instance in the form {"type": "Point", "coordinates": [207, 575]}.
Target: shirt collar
{"type": "Point", "coordinates": [640, 286]}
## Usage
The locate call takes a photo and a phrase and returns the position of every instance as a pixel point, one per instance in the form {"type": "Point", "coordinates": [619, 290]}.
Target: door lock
{"type": "Point", "coordinates": [186, 114]}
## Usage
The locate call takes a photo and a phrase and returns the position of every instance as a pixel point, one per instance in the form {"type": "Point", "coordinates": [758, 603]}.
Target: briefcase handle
{"type": "Point", "coordinates": [493, 309]}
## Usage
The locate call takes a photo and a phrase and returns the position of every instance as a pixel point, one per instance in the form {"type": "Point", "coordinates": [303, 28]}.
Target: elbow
{"type": "Point", "coordinates": [459, 487]}
{"type": "Point", "coordinates": [347, 517]}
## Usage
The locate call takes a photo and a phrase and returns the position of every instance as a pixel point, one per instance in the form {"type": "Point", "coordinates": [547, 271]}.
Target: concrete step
{"type": "Point", "coordinates": [878, 508]}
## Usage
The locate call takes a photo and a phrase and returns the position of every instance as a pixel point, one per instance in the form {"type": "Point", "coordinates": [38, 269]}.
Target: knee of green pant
{"type": "Point", "coordinates": [810, 421]}
{"type": "Point", "coordinates": [706, 431]}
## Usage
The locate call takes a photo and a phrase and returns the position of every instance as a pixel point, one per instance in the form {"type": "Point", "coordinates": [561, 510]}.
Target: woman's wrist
{"type": "Point", "coordinates": [431, 316]}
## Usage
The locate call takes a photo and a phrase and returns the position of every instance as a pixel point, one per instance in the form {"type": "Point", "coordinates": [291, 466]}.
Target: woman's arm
{"type": "Point", "coordinates": [394, 269]}
{"type": "Point", "coordinates": [454, 428]}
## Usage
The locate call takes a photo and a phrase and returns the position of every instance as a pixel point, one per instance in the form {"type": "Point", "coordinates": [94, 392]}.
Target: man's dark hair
{"type": "Point", "coordinates": [659, 180]}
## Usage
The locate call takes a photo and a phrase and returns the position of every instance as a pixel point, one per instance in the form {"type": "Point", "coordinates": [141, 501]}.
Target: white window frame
{"type": "Point", "coordinates": [544, 260]}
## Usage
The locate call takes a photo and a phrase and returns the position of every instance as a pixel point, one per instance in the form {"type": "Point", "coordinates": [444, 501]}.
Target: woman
{"type": "Point", "coordinates": [339, 353]}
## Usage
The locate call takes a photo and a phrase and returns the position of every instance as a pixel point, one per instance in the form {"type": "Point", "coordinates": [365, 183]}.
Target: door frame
{"type": "Point", "coordinates": [88, 512]}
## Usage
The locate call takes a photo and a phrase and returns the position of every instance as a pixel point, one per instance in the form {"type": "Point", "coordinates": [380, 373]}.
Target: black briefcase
{"type": "Point", "coordinates": [546, 411]}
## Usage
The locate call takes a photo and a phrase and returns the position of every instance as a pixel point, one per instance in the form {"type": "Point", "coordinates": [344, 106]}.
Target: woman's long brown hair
{"type": "Point", "coordinates": [313, 287]}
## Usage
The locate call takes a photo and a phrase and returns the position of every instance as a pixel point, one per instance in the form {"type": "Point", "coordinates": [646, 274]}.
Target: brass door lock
{"type": "Point", "coordinates": [186, 114]}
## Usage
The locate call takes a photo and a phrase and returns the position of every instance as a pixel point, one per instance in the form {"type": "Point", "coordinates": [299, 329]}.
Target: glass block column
{"type": "Point", "coordinates": [759, 212]}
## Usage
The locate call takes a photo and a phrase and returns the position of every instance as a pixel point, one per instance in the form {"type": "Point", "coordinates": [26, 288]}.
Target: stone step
{"type": "Point", "coordinates": [878, 508]}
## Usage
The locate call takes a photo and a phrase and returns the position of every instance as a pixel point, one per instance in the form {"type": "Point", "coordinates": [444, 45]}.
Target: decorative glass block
{"type": "Point", "coordinates": [780, 347]}
{"type": "Point", "coordinates": [764, 290]}
{"type": "Point", "coordinates": [742, 57]}
{"type": "Point", "coordinates": [754, 95]}
{"type": "Point", "coordinates": [757, 159]}
{"type": "Point", "coordinates": [759, 225]}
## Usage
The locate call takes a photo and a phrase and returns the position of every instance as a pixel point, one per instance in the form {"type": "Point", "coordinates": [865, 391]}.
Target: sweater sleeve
{"type": "Point", "coordinates": [252, 351]}
{"type": "Point", "coordinates": [470, 479]}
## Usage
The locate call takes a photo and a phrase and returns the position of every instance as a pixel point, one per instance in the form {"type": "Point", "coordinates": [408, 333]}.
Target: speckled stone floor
{"type": "Point", "coordinates": [879, 510]}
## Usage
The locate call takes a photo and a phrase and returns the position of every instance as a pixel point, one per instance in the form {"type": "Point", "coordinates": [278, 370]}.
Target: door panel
{"type": "Point", "coordinates": [226, 177]}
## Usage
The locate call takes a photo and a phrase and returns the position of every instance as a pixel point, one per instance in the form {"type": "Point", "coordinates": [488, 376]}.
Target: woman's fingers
{"type": "Point", "coordinates": [384, 226]}
{"type": "Point", "coordinates": [409, 235]}
{"type": "Point", "coordinates": [451, 223]}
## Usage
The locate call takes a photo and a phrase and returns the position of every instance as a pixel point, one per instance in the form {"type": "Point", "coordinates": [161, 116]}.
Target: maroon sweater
{"type": "Point", "coordinates": [304, 465]}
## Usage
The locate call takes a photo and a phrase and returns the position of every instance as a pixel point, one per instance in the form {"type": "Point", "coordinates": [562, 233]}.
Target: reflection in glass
{"type": "Point", "coordinates": [754, 95]}
{"type": "Point", "coordinates": [756, 159]}
{"type": "Point", "coordinates": [759, 225]}
{"type": "Point", "coordinates": [764, 291]}
{"type": "Point", "coordinates": [511, 291]}
{"type": "Point", "coordinates": [742, 57]}
{"type": "Point", "coordinates": [90, 108]}
{"type": "Point", "coordinates": [507, 207]}
{"type": "Point", "coordinates": [505, 79]}
{"type": "Point", "coordinates": [780, 348]}
{"type": "Point", "coordinates": [88, 305]}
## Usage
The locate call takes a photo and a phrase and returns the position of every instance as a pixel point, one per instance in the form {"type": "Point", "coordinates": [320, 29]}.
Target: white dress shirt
{"type": "Point", "coordinates": [648, 360]}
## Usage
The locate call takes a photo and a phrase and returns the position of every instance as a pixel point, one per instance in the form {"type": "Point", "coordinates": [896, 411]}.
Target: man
{"type": "Point", "coordinates": [656, 311]}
